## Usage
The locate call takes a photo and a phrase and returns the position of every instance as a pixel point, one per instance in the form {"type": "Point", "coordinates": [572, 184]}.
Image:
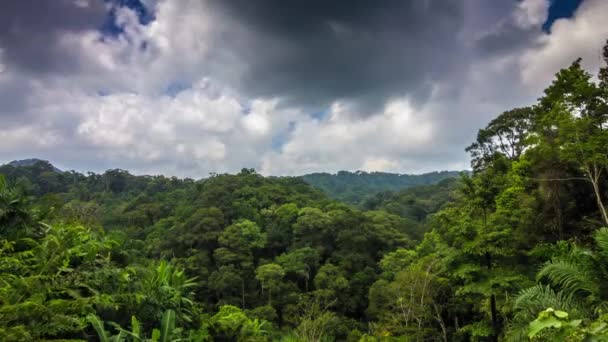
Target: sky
{"type": "Point", "coordinates": [186, 88]}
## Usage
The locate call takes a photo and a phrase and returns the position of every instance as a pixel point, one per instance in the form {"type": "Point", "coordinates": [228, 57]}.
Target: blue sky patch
{"type": "Point", "coordinates": [144, 14]}
{"type": "Point", "coordinates": [560, 9]}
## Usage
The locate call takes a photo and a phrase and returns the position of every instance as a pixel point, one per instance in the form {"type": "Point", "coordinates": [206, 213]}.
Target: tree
{"type": "Point", "coordinates": [278, 222]}
{"type": "Point", "coordinates": [302, 262]}
{"type": "Point", "coordinates": [479, 241]}
{"type": "Point", "coordinates": [406, 305]}
{"type": "Point", "coordinates": [199, 231]}
{"type": "Point", "coordinates": [505, 135]}
{"type": "Point", "coordinates": [270, 276]}
{"type": "Point", "coordinates": [583, 141]}
{"type": "Point", "coordinates": [314, 320]}
{"type": "Point", "coordinates": [313, 228]}
{"type": "Point", "coordinates": [15, 216]}
{"type": "Point", "coordinates": [574, 119]}
{"type": "Point", "coordinates": [115, 180]}
{"type": "Point", "coordinates": [238, 242]}
{"type": "Point", "coordinates": [224, 281]}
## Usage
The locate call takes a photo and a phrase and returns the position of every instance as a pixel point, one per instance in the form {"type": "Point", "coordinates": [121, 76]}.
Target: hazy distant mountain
{"type": "Point", "coordinates": [355, 187]}
{"type": "Point", "coordinates": [31, 162]}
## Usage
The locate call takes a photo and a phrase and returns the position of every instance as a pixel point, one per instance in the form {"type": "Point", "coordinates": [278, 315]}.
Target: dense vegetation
{"type": "Point", "coordinates": [514, 251]}
{"type": "Point", "coordinates": [356, 187]}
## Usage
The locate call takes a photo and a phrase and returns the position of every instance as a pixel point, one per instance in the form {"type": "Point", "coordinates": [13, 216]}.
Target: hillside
{"type": "Point", "coordinates": [261, 248]}
{"type": "Point", "coordinates": [356, 187]}
{"type": "Point", "coordinates": [416, 202]}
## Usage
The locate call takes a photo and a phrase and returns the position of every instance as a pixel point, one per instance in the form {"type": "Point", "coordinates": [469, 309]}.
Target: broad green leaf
{"type": "Point", "coordinates": [540, 324]}
{"type": "Point", "coordinates": [135, 328]}
{"type": "Point", "coordinates": [155, 335]}
{"type": "Point", "coordinates": [167, 326]}
{"type": "Point", "coordinates": [98, 326]}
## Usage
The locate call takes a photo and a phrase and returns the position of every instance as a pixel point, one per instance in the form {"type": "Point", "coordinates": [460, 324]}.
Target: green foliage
{"type": "Point", "coordinates": [167, 326]}
{"type": "Point", "coordinates": [16, 219]}
{"type": "Point", "coordinates": [99, 328]}
{"type": "Point", "coordinates": [231, 322]}
{"type": "Point", "coordinates": [166, 333]}
{"type": "Point", "coordinates": [575, 283]}
{"type": "Point", "coordinates": [49, 286]}
{"type": "Point", "coordinates": [270, 276]}
{"type": "Point", "coordinates": [356, 187]}
{"type": "Point", "coordinates": [552, 325]}
{"type": "Point", "coordinates": [315, 322]}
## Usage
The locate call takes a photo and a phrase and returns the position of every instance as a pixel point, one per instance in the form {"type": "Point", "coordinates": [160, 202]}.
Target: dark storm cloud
{"type": "Point", "coordinates": [29, 30]}
{"type": "Point", "coordinates": [315, 52]}
{"type": "Point", "coordinates": [506, 38]}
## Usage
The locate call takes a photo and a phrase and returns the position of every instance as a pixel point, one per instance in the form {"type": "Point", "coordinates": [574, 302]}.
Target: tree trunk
{"type": "Point", "coordinates": [444, 331]}
{"type": "Point", "coordinates": [493, 311]}
{"type": "Point", "coordinates": [495, 326]}
{"type": "Point", "coordinates": [243, 294]}
{"type": "Point", "coordinates": [598, 198]}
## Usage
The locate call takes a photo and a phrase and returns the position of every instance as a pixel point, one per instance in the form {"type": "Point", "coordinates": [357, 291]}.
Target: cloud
{"type": "Point", "coordinates": [516, 31]}
{"type": "Point", "coordinates": [30, 32]}
{"type": "Point", "coordinates": [582, 36]}
{"type": "Point", "coordinates": [346, 141]}
{"type": "Point", "coordinates": [284, 87]}
{"type": "Point", "coordinates": [312, 53]}
{"type": "Point", "coordinates": [531, 13]}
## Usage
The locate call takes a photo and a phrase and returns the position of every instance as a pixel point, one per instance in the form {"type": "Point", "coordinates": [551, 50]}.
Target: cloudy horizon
{"type": "Point", "coordinates": [192, 87]}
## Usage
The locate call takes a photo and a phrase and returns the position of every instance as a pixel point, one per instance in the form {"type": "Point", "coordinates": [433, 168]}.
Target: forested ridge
{"type": "Point", "coordinates": [514, 251]}
{"type": "Point", "coordinates": [357, 187]}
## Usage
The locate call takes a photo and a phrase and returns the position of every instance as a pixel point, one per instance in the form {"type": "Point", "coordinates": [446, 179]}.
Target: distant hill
{"type": "Point", "coordinates": [416, 202]}
{"type": "Point", "coordinates": [357, 187]}
{"type": "Point", "coordinates": [32, 162]}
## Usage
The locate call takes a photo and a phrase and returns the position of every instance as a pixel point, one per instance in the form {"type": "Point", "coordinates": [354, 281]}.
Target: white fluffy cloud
{"type": "Point", "coordinates": [531, 13]}
{"type": "Point", "coordinates": [582, 36]}
{"type": "Point", "coordinates": [378, 142]}
{"type": "Point", "coordinates": [166, 98]}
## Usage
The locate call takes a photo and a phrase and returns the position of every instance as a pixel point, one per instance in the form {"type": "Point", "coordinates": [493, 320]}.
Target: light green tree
{"type": "Point", "coordinates": [270, 276]}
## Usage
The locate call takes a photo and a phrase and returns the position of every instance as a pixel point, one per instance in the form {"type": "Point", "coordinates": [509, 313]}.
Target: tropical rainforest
{"type": "Point", "coordinates": [515, 250]}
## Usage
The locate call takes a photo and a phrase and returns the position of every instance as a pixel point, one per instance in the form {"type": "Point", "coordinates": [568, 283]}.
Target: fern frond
{"type": "Point", "coordinates": [532, 300]}
{"type": "Point", "coordinates": [570, 277]}
{"type": "Point", "coordinates": [535, 299]}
